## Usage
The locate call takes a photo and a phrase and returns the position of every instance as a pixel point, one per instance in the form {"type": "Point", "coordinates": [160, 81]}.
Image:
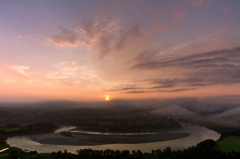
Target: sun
{"type": "Point", "coordinates": [107, 98]}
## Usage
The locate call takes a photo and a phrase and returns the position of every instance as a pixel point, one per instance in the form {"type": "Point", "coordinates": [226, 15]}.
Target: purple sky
{"type": "Point", "coordinates": [85, 50]}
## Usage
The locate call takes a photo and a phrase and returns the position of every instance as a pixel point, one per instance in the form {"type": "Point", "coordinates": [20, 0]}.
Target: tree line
{"type": "Point", "coordinates": [205, 149]}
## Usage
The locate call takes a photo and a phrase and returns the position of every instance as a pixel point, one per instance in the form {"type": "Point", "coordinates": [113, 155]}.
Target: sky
{"type": "Point", "coordinates": [89, 49]}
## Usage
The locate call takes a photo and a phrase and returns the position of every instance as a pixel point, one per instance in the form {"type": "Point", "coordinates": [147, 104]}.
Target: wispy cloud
{"type": "Point", "coordinates": [21, 70]}
{"type": "Point", "coordinates": [66, 38]}
{"type": "Point", "coordinates": [152, 86]}
{"type": "Point", "coordinates": [184, 6]}
{"type": "Point", "coordinates": [73, 73]}
{"type": "Point", "coordinates": [157, 27]}
{"type": "Point", "coordinates": [208, 68]}
{"type": "Point", "coordinates": [161, 90]}
{"type": "Point", "coordinates": [106, 36]}
{"type": "Point", "coordinates": [66, 69]}
{"type": "Point", "coordinates": [217, 59]}
{"type": "Point", "coordinates": [196, 2]}
{"type": "Point", "coordinates": [125, 88]}
{"type": "Point", "coordinates": [219, 32]}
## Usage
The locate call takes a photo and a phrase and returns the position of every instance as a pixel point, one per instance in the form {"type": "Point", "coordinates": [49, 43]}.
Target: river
{"type": "Point", "coordinates": [198, 134]}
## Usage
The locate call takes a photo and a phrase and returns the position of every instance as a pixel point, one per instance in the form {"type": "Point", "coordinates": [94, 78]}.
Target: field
{"type": "Point", "coordinates": [229, 144]}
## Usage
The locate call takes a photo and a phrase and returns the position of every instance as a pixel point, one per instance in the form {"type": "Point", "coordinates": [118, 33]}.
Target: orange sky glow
{"type": "Point", "coordinates": [94, 50]}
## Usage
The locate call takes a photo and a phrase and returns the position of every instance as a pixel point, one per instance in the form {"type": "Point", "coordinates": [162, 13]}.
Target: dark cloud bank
{"type": "Point", "coordinates": [209, 68]}
{"type": "Point", "coordinates": [221, 67]}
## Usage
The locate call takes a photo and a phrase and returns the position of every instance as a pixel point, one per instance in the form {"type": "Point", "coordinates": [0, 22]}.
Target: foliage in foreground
{"type": "Point", "coordinates": [205, 149]}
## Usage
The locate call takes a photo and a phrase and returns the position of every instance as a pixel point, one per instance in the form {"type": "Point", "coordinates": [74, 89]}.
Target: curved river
{"type": "Point", "coordinates": [198, 134]}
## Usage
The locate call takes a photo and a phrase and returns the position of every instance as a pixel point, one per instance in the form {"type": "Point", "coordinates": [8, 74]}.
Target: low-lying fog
{"type": "Point", "coordinates": [223, 110]}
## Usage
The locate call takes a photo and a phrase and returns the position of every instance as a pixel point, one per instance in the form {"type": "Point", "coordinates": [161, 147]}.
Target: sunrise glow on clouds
{"type": "Point", "coordinates": [85, 50]}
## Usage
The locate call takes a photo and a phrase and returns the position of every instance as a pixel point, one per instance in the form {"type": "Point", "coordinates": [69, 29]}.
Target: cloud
{"type": "Point", "coordinates": [219, 32]}
{"type": "Point", "coordinates": [207, 68]}
{"type": "Point", "coordinates": [199, 110]}
{"type": "Point", "coordinates": [100, 33]}
{"type": "Point", "coordinates": [65, 38]}
{"type": "Point", "coordinates": [74, 73]}
{"type": "Point", "coordinates": [160, 86]}
{"type": "Point", "coordinates": [152, 90]}
{"type": "Point", "coordinates": [215, 59]}
{"type": "Point", "coordinates": [197, 2]}
{"type": "Point", "coordinates": [125, 88]}
{"type": "Point", "coordinates": [107, 36]}
{"type": "Point", "coordinates": [183, 7]}
{"type": "Point", "coordinates": [168, 86]}
{"type": "Point", "coordinates": [164, 83]}
{"type": "Point", "coordinates": [21, 70]}
{"type": "Point", "coordinates": [145, 55]}
{"type": "Point", "coordinates": [157, 27]}
{"type": "Point", "coordinates": [66, 69]}
{"type": "Point", "coordinates": [179, 14]}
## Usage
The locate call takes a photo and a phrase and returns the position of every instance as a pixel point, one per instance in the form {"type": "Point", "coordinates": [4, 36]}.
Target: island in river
{"type": "Point", "coordinates": [113, 127]}
{"type": "Point", "coordinates": [197, 134]}
{"type": "Point", "coordinates": [86, 138]}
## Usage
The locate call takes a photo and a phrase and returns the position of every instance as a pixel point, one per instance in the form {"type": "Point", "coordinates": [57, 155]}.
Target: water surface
{"type": "Point", "coordinates": [198, 134]}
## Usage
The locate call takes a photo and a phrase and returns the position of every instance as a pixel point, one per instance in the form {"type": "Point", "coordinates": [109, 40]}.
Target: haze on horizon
{"type": "Point", "coordinates": [87, 50]}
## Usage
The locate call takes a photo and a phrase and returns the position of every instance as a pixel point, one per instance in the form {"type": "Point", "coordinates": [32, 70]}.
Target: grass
{"type": "Point", "coordinates": [229, 144]}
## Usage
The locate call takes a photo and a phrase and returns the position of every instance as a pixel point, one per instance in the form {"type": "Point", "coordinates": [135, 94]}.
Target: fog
{"type": "Point", "coordinates": [211, 110]}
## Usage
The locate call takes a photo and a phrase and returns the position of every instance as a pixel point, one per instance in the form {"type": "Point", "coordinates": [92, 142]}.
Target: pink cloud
{"type": "Point", "coordinates": [157, 27]}
{"type": "Point", "coordinates": [20, 70]}
{"type": "Point", "coordinates": [65, 38]}
{"type": "Point", "coordinates": [182, 8]}
{"type": "Point", "coordinates": [66, 69]}
{"type": "Point", "coordinates": [219, 32]}
{"type": "Point", "coordinates": [197, 2]}
{"type": "Point", "coordinates": [106, 36]}
{"type": "Point", "coordinates": [178, 15]}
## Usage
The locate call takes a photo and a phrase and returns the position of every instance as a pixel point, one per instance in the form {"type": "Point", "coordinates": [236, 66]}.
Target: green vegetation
{"type": "Point", "coordinates": [229, 144]}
